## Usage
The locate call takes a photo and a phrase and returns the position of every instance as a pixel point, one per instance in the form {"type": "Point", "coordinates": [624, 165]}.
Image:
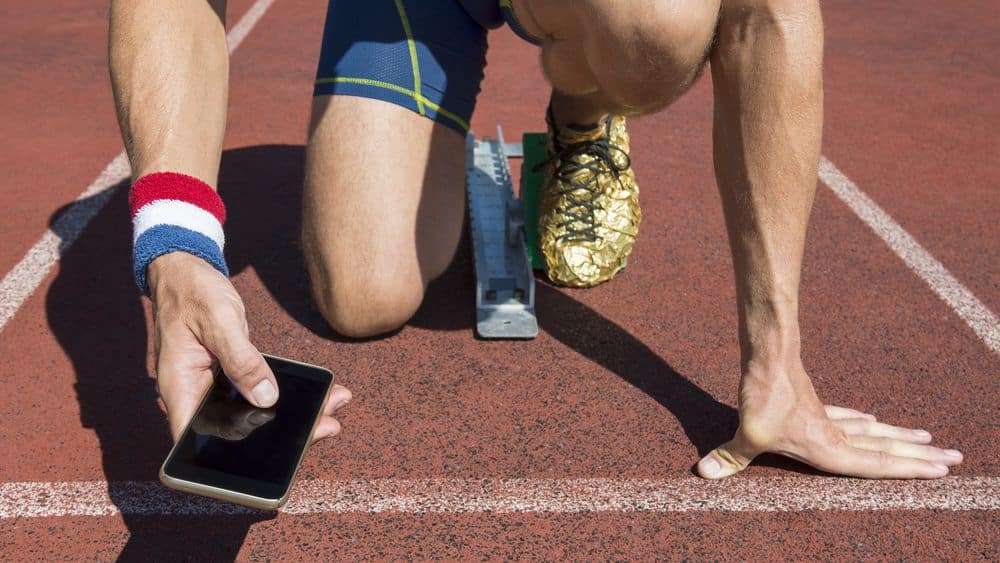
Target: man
{"type": "Point", "coordinates": [383, 202]}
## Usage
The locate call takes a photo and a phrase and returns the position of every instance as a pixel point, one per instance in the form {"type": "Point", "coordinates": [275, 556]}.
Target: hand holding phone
{"type": "Point", "coordinates": [235, 451]}
{"type": "Point", "coordinates": [200, 321]}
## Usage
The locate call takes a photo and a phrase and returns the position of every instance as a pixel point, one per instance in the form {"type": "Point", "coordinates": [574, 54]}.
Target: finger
{"type": "Point", "coordinates": [863, 427]}
{"type": "Point", "coordinates": [339, 397]}
{"type": "Point", "coordinates": [181, 385]}
{"type": "Point", "coordinates": [181, 405]}
{"type": "Point", "coordinates": [728, 459]}
{"type": "Point", "coordinates": [241, 362]}
{"type": "Point", "coordinates": [838, 413]}
{"type": "Point", "coordinates": [906, 449]}
{"type": "Point", "coordinates": [857, 462]}
{"type": "Point", "coordinates": [327, 427]}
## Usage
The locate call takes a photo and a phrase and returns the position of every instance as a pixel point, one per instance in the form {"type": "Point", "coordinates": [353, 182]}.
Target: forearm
{"type": "Point", "coordinates": [169, 71]}
{"type": "Point", "coordinates": [767, 75]}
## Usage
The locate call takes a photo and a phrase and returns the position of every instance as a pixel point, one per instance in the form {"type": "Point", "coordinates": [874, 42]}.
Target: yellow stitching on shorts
{"type": "Point", "coordinates": [420, 99]}
{"type": "Point", "coordinates": [413, 54]}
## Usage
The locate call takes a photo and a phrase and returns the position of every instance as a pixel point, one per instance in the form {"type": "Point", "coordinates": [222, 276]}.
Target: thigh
{"type": "Point", "coordinates": [384, 200]}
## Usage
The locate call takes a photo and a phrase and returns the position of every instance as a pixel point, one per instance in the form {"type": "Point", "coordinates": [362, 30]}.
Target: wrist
{"type": "Point", "coordinates": [769, 333]}
{"type": "Point", "coordinates": [174, 215]}
{"type": "Point", "coordinates": [170, 266]}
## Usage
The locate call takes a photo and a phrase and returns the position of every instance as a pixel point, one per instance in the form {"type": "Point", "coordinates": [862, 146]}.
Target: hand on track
{"type": "Point", "coordinates": [781, 414]}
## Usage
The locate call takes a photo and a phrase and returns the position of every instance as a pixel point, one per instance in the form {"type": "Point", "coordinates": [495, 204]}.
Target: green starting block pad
{"type": "Point", "coordinates": [505, 282]}
{"type": "Point", "coordinates": [533, 149]}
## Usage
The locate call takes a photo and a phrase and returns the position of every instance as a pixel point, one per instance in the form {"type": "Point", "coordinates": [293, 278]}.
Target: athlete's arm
{"type": "Point", "coordinates": [170, 74]}
{"type": "Point", "coordinates": [169, 71]}
{"type": "Point", "coordinates": [767, 78]}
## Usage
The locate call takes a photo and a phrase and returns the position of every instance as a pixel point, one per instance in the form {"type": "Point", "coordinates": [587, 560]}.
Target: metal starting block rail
{"type": "Point", "coordinates": [505, 282]}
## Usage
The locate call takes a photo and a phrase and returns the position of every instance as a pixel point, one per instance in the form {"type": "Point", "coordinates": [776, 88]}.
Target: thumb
{"type": "Point", "coordinates": [244, 365]}
{"type": "Point", "coordinates": [728, 459]}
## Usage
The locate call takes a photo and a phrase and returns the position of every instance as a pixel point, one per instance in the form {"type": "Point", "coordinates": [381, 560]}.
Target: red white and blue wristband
{"type": "Point", "coordinates": [173, 212]}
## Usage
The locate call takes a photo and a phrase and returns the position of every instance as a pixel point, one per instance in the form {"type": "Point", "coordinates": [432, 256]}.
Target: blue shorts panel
{"type": "Point", "coordinates": [425, 55]}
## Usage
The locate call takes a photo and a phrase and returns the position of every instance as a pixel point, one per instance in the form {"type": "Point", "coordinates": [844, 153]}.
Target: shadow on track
{"type": "Point", "coordinates": [706, 421]}
{"type": "Point", "coordinates": [262, 187]}
{"type": "Point", "coordinates": [97, 315]}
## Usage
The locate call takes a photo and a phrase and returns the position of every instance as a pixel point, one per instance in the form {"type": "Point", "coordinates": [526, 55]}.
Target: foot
{"type": "Point", "coordinates": [780, 413]}
{"type": "Point", "coordinates": [589, 212]}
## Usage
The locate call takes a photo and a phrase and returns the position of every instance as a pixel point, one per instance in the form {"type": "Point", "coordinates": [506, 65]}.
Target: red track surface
{"type": "Point", "coordinates": [631, 379]}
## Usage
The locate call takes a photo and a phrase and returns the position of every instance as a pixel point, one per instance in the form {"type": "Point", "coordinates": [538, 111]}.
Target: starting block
{"type": "Point", "coordinates": [504, 236]}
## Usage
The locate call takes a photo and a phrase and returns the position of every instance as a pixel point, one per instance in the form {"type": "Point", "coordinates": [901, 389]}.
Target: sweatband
{"type": "Point", "coordinates": [174, 212]}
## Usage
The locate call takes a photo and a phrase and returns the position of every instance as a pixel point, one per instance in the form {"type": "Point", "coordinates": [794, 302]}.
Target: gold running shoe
{"type": "Point", "coordinates": [589, 214]}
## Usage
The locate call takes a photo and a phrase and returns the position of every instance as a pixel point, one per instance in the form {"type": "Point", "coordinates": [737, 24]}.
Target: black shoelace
{"type": "Point", "coordinates": [581, 222]}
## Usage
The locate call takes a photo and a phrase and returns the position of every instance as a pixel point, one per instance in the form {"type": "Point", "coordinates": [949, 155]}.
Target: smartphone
{"type": "Point", "coordinates": [236, 452]}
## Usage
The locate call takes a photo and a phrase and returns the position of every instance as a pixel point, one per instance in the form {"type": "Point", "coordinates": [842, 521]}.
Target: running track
{"type": "Point", "coordinates": [576, 445]}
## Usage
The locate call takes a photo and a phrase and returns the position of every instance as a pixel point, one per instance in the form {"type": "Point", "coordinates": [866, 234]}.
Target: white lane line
{"type": "Point", "coordinates": [18, 285]}
{"type": "Point", "coordinates": [780, 494]}
{"type": "Point", "coordinates": [971, 310]}
{"type": "Point", "coordinates": [246, 24]}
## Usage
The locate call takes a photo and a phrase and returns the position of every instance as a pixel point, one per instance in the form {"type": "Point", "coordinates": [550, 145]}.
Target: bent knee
{"type": "Point", "coordinates": [360, 309]}
{"type": "Point", "coordinates": [770, 9]}
{"type": "Point", "coordinates": [648, 56]}
{"type": "Point", "coordinates": [742, 18]}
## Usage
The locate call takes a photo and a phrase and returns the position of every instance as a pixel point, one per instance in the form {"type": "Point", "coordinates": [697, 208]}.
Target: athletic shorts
{"type": "Point", "coordinates": [425, 55]}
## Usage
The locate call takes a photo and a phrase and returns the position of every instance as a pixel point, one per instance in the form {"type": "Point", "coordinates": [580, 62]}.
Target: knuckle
{"type": "Point", "coordinates": [756, 437]}
{"type": "Point", "coordinates": [220, 320]}
{"type": "Point", "coordinates": [884, 460]}
{"type": "Point", "coordinates": [226, 311]}
{"type": "Point", "coordinates": [243, 366]}
{"type": "Point", "coordinates": [834, 438]}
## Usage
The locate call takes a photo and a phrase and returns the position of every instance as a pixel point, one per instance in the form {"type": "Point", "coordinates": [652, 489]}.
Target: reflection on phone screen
{"type": "Point", "coordinates": [234, 445]}
{"type": "Point", "coordinates": [227, 415]}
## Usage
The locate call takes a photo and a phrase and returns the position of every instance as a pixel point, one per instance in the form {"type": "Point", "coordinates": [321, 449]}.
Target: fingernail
{"type": "Point", "coordinates": [341, 404]}
{"type": "Point", "coordinates": [953, 453]}
{"type": "Point", "coordinates": [942, 468]}
{"type": "Point", "coordinates": [709, 467]}
{"type": "Point", "coordinates": [265, 394]}
{"type": "Point", "coordinates": [922, 433]}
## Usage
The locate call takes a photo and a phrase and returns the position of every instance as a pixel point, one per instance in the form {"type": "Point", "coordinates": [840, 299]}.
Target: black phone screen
{"type": "Point", "coordinates": [233, 445]}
